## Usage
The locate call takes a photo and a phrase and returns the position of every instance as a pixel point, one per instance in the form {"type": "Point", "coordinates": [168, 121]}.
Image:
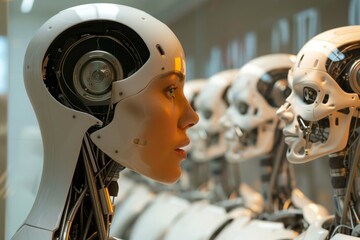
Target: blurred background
{"type": "Point", "coordinates": [216, 35]}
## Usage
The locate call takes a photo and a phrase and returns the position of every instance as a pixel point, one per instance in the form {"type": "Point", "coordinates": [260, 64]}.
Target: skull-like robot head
{"type": "Point", "coordinates": [250, 121]}
{"type": "Point", "coordinates": [192, 89]}
{"type": "Point", "coordinates": [208, 142]}
{"type": "Point", "coordinates": [324, 102]}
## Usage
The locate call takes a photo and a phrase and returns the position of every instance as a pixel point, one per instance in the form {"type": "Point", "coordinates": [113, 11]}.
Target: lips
{"type": "Point", "coordinates": [289, 137]}
{"type": "Point", "coordinates": [182, 153]}
{"type": "Point", "coordinates": [289, 134]}
{"type": "Point", "coordinates": [179, 151]}
{"type": "Point", "coordinates": [289, 140]}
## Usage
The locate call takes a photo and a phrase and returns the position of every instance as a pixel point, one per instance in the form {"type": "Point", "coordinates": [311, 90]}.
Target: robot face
{"type": "Point", "coordinates": [250, 120]}
{"type": "Point", "coordinates": [322, 103]}
{"type": "Point", "coordinates": [159, 117]}
{"type": "Point", "coordinates": [208, 142]}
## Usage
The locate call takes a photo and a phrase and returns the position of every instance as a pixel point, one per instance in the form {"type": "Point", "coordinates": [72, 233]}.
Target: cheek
{"type": "Point", "coordinates": [162, 121]}
{"type": "Point", "coordinates": [160, 133]}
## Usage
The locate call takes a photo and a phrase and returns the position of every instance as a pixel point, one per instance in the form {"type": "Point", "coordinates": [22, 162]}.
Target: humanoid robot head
{"type": "Point", "coordinates": [192, 89]}
{"type": "Point", "coordinates": [211, 104]}
{"type": "Point", "coordinates": [120, 71]}
{"type": "Point", "coordinates": [324, 100]}
{"type": "Point", "coordinates": [256, 93]}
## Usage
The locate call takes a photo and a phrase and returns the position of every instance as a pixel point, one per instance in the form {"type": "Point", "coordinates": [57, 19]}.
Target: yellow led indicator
{"type": "Point", "coordinates": [178, 64]}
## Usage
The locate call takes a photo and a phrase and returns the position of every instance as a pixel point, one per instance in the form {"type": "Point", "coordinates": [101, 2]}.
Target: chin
{"type": "Point", "coordinates": [171, 177]}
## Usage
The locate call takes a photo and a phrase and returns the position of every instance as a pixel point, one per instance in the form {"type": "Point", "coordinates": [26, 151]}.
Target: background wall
{"type": "Point", "coordinates": [3, 112]}
{"type": "Point", "coordinates": [216, 35]}
{"type": "Point", "coordinates": [227, 33]}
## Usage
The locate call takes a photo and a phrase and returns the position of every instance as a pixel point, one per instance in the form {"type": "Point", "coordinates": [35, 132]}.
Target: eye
{"type": "Point", "coordinates": [171, 91]}
{"type": "Point", "coordinates": [241, 106]}
{"type": "Point", "coordinates": [207, 113]}
{"type": "Point", "coordinates": [309, 95]}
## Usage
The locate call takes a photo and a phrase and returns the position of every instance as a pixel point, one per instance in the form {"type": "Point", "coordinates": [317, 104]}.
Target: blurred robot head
{"type": "Point", "coordinates": [118, 74]}
{"type": "Point", "coordinates": [211, 105]}
{"type": "Point", "coordinates": [251, 122]}
{"type": "Point", "coordinates": [192, 89]}
{"type": "Point", "coordinates": [325, 87]}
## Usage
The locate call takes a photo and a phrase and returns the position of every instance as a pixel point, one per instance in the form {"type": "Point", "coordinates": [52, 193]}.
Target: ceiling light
{"type": "Point", "coordinates": [26, 6]}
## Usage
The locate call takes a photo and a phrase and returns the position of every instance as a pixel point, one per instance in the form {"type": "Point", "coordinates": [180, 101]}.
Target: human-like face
{"type": "Point", "coordinates": [152, 129]}
{"type": "Point", "coordinates": [169, 116]}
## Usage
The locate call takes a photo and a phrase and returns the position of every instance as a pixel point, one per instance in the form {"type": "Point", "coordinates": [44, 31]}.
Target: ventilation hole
{"type": "Point", "coordinates": [316, 63]}
{"type": "Point", "coordinates": [345, 111]}
{"type": "Point", "coordinates": [300, 60]}
{"type": "Point", "coordinates": [160, 49]}
{"type": "Point", "coordinates": [326, 98]}
{"type": "Point", "coordinates": [302, 150]}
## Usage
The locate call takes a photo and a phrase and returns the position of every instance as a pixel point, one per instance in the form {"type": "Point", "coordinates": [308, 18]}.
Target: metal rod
{"type": "Point", "coordinates": [99, 219]}
{"type": "Point", "coordinates": [73, 213]}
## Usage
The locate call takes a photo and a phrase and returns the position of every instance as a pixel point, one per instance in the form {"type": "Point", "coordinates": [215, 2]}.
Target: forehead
{"type": "Point", "coordinates": [215, 87]}
{"type": "Point", "coordinates": [169, 78]}
{"type": "Point", "coordinates": [210, 93]}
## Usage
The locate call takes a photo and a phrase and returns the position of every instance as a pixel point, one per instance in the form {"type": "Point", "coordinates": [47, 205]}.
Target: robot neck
{"type": "Point", "coordinates": [89, 206]}
{"type": "Point", "coordinates": [345, 182]}
{"type": "Point", "coordinates": [277, 178]}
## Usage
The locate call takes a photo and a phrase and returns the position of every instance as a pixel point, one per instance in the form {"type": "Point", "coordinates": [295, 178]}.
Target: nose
{"type": "Point", "coordinates": [189, 117]}
{"type": "Point", "coordinates": [225, 121]}
{"type": "Point", "coordinates": [284, 113]}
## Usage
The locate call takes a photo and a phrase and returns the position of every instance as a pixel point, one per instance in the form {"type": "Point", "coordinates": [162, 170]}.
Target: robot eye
{"type": "Point", "coordinates": [242, 107]}
{"type": "Point", "coordinates": [309, 95]}
{"type": "Point", "coordinates": [207, 113]}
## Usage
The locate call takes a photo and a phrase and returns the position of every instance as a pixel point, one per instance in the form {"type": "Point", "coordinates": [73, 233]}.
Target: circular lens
{"type": "Point", "coordinates": [94, 73]}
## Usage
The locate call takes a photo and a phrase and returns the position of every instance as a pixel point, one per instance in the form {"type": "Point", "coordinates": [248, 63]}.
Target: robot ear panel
{"type": "Point", "coordinates": [224, 96]}
{"type": "Point", "coordinates": [273, 85]}
{"type": "Point", "coordinates": [354, 76]}
{"type": "Point", "coordinates": [85, 59]}
{"type": "Point", "coordinates": [280, 92]}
